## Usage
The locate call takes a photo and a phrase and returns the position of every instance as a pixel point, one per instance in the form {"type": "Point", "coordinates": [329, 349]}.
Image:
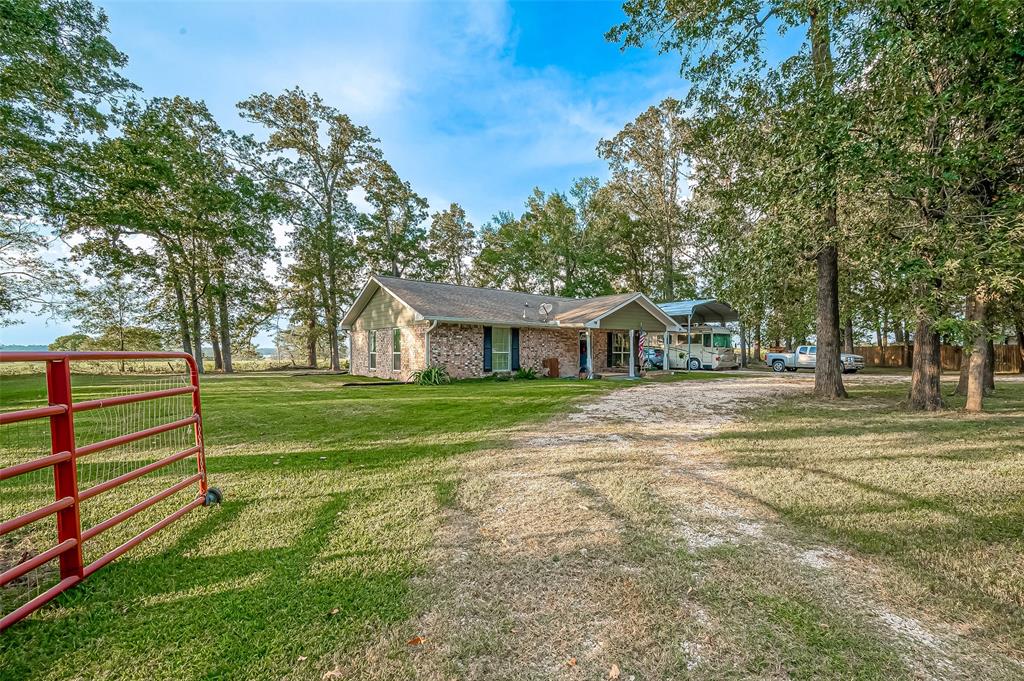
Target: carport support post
{"type": "Point", "coordinates": [689, 341]}
{"type": "Point", "coordinates": [632, 356]}
{"type": "Point", "coordinates": [665, 366]}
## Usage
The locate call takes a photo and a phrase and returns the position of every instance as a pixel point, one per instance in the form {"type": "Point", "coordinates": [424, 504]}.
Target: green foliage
{"type": "Point", "coordinates": [71, 342]}
{"type": "Point", "coordinates": [285, 506]}
{"type": "Point", "coordinates": [525, 374]}
{"type": "Point", "coordinates": [432, 375]}
{"type": "Point", "coordinates": [58, 71]}
{"type": "Point", "coordinates": [452, 245]}
{"type": "Point", "coordinates": [27, 279]}
{"type": "Point", "coordinates": [508, 255]}
{"type": "Point", "coordinates": [648, 185]}
{"type": "Point", "coordinates": [391, 237]}
{"type": "Point", "coordinates": [559, 246]}
{"type": "Point", "coordinates": [205, 223]}
{"type": "Point", "coordinates": [313, 179]}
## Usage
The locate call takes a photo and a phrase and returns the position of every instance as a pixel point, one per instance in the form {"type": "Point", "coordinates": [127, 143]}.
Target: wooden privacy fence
{"type": "Point", "coordinates": [1007, 357]}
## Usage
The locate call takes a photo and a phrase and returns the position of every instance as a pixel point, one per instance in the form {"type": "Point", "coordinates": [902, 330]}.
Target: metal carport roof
{"type": "Point", "coordinates": [702, 311]}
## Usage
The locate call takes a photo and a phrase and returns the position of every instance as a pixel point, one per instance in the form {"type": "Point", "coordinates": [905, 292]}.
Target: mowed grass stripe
{"type": "Point", "coordinates": [333, 494]}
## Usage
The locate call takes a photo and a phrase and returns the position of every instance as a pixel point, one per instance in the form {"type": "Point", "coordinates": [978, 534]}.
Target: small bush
{"type": "Point", "coordinates": [431, 376]}
{"type": "Point", "coordinates": [526, 374]}
{"type": "Point", "coordinates": [503, 376]}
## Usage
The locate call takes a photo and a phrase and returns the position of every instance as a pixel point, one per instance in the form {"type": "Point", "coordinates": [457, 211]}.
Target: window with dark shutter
{"type": "Point", "coordinates": [487, 348]}
{"type": "Point", "coordinates": [515, 349]}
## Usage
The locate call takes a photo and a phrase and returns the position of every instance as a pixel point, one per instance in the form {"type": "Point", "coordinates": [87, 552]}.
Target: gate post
{"type": "Point", "coordinates": [65, 473]}
{"type": "Point", "coordinates": [197, 410]}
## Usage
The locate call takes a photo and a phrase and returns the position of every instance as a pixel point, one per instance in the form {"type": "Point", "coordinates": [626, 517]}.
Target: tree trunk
{"type": "Point", "coordinates": [225, 322]}
{"type": "Point", "coordinates": [990, 367]}
{"type": "Point", "coordinates": [976, 370]}
{"type": "Point", "coordinates": [311, 345]}
{"type": "Point", "coordinates": [179, 300]}
{"type": "Point", "coordinates": [197, 325]}
{"type": "Point", "coordinates": [828, 376]}
{"type": "Point", "coordinates": [120, 343]}
{"type": "Point", "coordinates": [848, 335]}
{"type": "Point", "coordinates": [211, 320]}
{"type": "Point", "coordinates": [925, 377]}
{"type": "Point", "coordinates": [757, 342]}
{"type": "Point", "coordinates": [743, 347]}
{"type": "Point", "coordinates": [1020, 345]}
{"type": "Point", "coordinates": [332, 326]}
{"type": "Point", "coordinates": [965, 356]}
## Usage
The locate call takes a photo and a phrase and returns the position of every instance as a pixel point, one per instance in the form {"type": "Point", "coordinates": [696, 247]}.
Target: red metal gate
{"type": "Point", "coordinates": [66, 455]}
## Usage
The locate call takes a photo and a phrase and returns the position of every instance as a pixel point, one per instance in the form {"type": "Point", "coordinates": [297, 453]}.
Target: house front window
{"type": "Point", "coordinates": [620, 349]}
{"type": "Point", "coordinates": [396, 349]}
{"type": "Point", "coordinates": [371, 343]}
{"type": "Point", "coordinates": [501, 349]}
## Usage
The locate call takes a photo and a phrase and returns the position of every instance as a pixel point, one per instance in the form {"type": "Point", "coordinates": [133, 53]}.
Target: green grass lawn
{"type": "Point", "coordinates": [334, 494]}
{"type": "Point", "coordinates": [936, 499]}
{"type": "Point", "coordinates": [332, 497]}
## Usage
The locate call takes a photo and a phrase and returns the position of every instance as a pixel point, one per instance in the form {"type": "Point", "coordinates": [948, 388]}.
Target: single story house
{"type": "Point", "coordinates": [399, 326]}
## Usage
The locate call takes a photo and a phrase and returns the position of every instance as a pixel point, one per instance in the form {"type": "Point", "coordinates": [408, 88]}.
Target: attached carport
{"type": "Point", "coordinates": [700, 311]}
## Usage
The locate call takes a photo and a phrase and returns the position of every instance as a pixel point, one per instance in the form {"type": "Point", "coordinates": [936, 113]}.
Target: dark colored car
{"type": "Point", "coordinates": [654, 358]}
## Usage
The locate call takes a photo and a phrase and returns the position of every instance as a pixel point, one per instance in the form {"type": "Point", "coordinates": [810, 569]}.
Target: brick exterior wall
{"type": "Point", "coordinates": [413, 350]}
{"type": "Point", "coordinates": [460, 349]}
{"type": "Point", "coordinates": [599, 346]}
{"type": "Point", "coordinates": [536, 345]}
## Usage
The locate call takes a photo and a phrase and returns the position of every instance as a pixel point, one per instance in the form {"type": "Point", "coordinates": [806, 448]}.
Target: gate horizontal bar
{"type": "Point", "coordinates": [22, 520]}
{"type": "Point", "coordinates": [40, 600]}
{"type": "Point", "coordinates": [64, 452]}
{"type": "Point", "coordinates": [131, 399]}
{"type": "Point", "coordinates": [44, 356]}
{"type": "Point", "coordinates": [142, 536]}
{"type": "Point", "coordinates": [137, 473]}
{"type": "Point", "coordinates": [141, 506]}
{"type": "Point", "coordinates": [34, 413]}
{"type": "Point", "coordinates": [31, 564]}
{"type": "Point", "coordinates": [132, 437]}
{"type": "Point", "coordinates": [29, 466]}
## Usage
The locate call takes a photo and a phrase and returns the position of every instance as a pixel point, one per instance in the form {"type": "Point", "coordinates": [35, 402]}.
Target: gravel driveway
{"type": "Point", "coordinates": [587, 547]}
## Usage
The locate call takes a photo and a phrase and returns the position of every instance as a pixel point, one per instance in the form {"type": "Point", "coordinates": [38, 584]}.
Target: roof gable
{"type": "Point", "coordinates": [371, 289]}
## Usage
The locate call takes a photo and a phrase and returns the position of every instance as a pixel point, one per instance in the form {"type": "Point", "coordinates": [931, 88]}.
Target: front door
{"type": "Point", "coordinates": [583, 350]}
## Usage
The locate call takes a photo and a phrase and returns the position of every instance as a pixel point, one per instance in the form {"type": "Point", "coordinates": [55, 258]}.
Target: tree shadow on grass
{"type": "Point", "coordinates": [242, 614]}
{"type": "Point", "coordinates": [931, 494]}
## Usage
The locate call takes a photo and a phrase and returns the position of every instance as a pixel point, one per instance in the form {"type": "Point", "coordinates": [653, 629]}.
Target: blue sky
{"type": "Point", "coordinates": [473, 102]}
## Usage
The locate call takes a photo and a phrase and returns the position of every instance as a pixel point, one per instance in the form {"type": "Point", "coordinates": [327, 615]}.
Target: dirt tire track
{"type": "Point", "coordinates": [557, 561]}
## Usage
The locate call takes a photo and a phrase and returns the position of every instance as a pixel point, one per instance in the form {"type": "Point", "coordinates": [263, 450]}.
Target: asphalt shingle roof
{"type": "Point", "coordinates": [448, 301]}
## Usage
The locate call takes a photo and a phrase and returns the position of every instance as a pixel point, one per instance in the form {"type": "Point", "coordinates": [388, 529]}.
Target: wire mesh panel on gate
{"type": "Point", "coordinates": [134, 457]}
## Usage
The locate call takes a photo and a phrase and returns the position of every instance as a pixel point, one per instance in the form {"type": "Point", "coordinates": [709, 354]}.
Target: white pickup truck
{"type": "Point", "coordinates": [806, 357]}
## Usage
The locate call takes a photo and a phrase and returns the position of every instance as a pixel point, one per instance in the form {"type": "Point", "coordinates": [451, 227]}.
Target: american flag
{"type": "Point", "coordinates": [640, 348]}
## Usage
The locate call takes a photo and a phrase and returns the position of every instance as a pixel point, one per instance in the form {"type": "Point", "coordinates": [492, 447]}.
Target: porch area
{"type": "Point", "coordinates": [619, 352]}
